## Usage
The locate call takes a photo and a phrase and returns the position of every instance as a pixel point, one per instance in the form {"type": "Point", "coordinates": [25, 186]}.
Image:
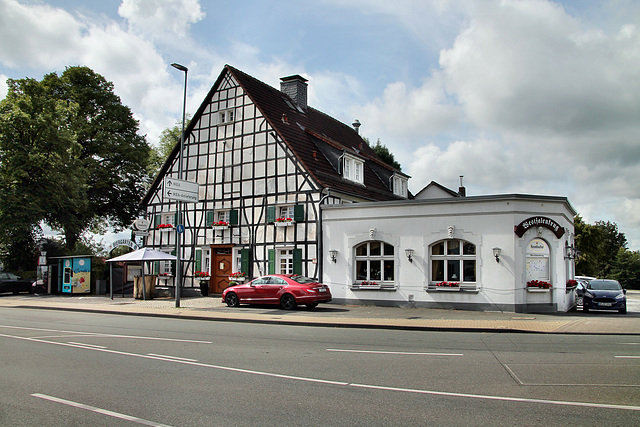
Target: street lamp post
{"type": "Point", "coordinates": [179, 220]}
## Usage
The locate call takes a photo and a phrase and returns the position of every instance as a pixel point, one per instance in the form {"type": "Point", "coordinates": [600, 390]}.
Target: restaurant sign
{"type": "Point", "coordinates": [539, 221]}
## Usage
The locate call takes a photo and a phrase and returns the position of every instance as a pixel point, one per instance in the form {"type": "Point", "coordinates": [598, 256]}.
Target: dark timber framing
{"type": "Point", "coordinates": [254, 151]}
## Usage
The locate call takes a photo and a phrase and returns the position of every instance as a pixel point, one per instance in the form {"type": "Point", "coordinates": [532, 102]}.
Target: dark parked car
{"type": "Point", "coordinates": [10, 282]}
{"type": "Point", "coordinates": [604, 294]}
{"type": "Point", "coordinates": [286, 290]}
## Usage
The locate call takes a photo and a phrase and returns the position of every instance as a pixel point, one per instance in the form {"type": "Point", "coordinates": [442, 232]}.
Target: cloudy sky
{"type": "Point", "coordinates": [529, 96]}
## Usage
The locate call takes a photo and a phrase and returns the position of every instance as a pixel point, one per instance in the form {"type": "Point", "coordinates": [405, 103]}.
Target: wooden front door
{"type": "Point", "coordinates": [221, 268]}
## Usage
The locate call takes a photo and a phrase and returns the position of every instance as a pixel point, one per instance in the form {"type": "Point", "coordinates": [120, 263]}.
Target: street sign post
{"type": "Point", "coordinates": [184, 191]}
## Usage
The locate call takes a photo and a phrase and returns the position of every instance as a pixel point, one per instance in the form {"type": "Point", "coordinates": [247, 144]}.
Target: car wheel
{"type": "Point", "coordinates": [232, 299]}
{"type": "Point", "coordinates": [585, 308]}
{"type": "Point", "coordinates": [312, 305]}
{"type": "Point", "coordinates": [288, 302]}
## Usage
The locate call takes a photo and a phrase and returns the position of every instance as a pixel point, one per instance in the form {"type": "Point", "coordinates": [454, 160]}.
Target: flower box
{"type": "Point", "coordinates": [538, 284]}
{"type": "Point", "coordinates": [373, 286]}
{"type": "Point", "coordinates": [283, 222]}
{"type": "Point", "coordinates": [538, 290]}
{"type": "Point", "coordinates": [236, 279]}
{"type": "Point", "coordinates": [446, 288]}
{"type": "Point", "coordinates": [220, 227]}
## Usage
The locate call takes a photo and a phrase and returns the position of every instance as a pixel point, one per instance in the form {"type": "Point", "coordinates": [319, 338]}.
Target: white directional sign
{"type": "Point", "coordinates": [177, 189]}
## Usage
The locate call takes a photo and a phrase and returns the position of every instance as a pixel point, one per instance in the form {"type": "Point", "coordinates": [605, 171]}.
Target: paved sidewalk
{"type": "Point", "coordinates": [334, 315]}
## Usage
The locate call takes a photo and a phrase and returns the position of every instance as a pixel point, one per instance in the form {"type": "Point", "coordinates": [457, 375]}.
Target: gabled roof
{"type": "Point", "coordinates": [316, 139]}
{"type": "Point", "coordinates": [435, 191]}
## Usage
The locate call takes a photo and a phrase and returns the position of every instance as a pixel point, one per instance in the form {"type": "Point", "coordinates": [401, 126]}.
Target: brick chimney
{"type": "Point", "coordinates": [296, 88]}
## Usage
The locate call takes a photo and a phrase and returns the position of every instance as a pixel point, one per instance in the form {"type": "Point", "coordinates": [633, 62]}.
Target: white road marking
{"type": "Point", "coordinates": [395, 352]}
{"type": "Point", "coordinates": [627, 357]}
{"type": "Point", "coordinates": [501, 398]}
{"type": "Point", "coordinates": [342, 383]}
{"type": "Point", "coordinates": [87, 345]}
{"type": "Point", "coordinates": [164, 356]}
{"type": "Point", "coordinates": [186, 362]}
{"type": "Point", "coordinates": [99, 410]}
{"type": "Point", "coordinates": [94, 334]}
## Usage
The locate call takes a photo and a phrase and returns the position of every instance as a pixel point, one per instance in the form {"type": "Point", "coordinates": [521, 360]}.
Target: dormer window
{"type": "Point", "coordinates": [399, 184]}
{"type": "Point", "coordinates": [226, 116]}
{"type": "Point", "coordinates": [353, 169]}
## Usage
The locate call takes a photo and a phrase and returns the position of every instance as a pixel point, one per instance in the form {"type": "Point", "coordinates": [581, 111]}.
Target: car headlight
{"type": "Point", "coordinates": [620, 295]}
{"type": "Point", "coordinates": [589, 295]}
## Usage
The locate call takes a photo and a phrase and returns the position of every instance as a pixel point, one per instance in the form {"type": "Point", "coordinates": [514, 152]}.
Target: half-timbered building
{"type": "Point", "coordinates": [264, 161]}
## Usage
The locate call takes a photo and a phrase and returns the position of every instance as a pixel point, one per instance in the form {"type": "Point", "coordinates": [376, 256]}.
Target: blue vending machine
{"type": "Point", "coordinates": [76, 275]}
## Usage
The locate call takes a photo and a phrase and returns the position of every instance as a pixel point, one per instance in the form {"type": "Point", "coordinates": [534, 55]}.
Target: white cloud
{"type": "Point", "coordinates": [411, 112]}
{"type": "Point", "coordinates": [530, 67]}
{"type": "Point", "coordinates": [53, 35]}
{"type": "Point", "coordinates": [161, 18]}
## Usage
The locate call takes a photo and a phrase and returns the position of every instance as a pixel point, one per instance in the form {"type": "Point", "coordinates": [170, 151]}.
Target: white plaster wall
{"type": "Point", "coordinates": [484, 221]}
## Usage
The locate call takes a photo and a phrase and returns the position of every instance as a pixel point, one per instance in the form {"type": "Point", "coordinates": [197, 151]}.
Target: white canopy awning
{"type": "Point", "coordinates": [144, 254]}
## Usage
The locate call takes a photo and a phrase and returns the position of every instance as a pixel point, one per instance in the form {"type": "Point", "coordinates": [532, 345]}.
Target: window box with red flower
{"type": "Point", "coordinates": [538, 286]}
{"type": "Point", "coordinates": [373, 286]}
{"type": "Point", "coordinates": [220, 225]}
{"type": "Point", "coordinates": [283, 222]}
{"type": "Point", "coordinates": [447, 286]}
{"type": "Point", "coordinates": [165, 227]}
{"type": "Point", "coordinates": [238, 276]}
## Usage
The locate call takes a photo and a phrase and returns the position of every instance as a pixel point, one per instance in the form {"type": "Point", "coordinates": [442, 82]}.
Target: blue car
{"type": "Point", "coordinates": [604, 294]}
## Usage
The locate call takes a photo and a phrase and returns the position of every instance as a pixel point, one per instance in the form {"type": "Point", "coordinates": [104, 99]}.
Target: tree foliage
{"type": "Point", "coordinates": [168, 140]}
{"type": "Point", "coordinates": [604, 254]}
{"type": "Point", "coordinates": [385, 155]}
{"type": "Point", "coordinates": [70, 157]}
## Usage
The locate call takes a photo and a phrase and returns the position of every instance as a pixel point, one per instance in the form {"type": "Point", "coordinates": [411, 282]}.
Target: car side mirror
{"type": "Point", "coordinates": [624, 291]}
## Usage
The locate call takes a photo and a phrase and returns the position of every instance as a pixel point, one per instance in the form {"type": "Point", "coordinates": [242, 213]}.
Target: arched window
{"type": "Point", "coordinates": [453, 262]}
{"type": "Point", "coordinates": [375, 262]}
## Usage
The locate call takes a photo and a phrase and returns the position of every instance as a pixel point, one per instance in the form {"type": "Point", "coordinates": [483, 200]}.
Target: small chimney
{"type": "Point", "coordinates": [296, 88]}
{"type": "Point", "coordinates": [461, 190]}
{"type": "Point", "coordinates": [356, 125]}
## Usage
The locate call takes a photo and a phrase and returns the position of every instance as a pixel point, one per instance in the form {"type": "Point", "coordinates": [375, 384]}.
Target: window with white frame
{"type": "Point", "coordinates": [284, 261]}
{"type": "Point", "coordinates": [222, 217]}
{"type": "Point", "coordinates": [453, 261]}
{"type": "Point", "coordinates": [226, 116]}
{"type": "Point", "coordinates": [286, 212]}
{"type": "Point", "coordinates": [168, 218]}
{"type": "Point", "coordinates": [353, 169]}
{"type": "Point", "coordinates": [399, 186]}
{"type": "Point", "coordinates": [375, 262]}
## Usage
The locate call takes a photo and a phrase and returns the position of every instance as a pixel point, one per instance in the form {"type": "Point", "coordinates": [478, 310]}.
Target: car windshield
{"type": "Point", "coordinates": [604, 285]}
{"type": "Point", "coordinates": [303, 279]}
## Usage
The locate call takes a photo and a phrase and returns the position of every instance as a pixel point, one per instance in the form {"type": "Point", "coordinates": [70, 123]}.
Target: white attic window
{"type": "Point", "coordinates": [226, 116]}
{"type": "Point", "coordinates": [353, 169]}
{"type": "Point", "coordinates": [399, 184]}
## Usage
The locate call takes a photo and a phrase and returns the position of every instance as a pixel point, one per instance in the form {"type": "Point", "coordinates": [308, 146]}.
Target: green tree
{"type": "Point", "coordinates": [599, 245]}
{"type": "Point", "coordinates": [626, 268]}
{"type": "Point", "coordinates": [385, 155]}
{"type": "Point", "coordinates": [36, 145]}
{"type": "Point", "coordinates": [70, 154]}
{"type": "Point", "coordinates": [168, 140]}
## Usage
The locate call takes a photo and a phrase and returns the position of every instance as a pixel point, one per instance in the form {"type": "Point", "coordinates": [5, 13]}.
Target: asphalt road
{"type": "Point", "coordinates": [66, 368]}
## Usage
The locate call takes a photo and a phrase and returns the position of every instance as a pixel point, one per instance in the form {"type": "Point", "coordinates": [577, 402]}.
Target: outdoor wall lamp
{"type": "Point", "coordinates": [333, 254]}
{"type": "Point", "coordinates": [496, 253]}
{"type": "Point", "coordinates": [570, 251]}
{"type": "Point", "coordinates": [409, 253]}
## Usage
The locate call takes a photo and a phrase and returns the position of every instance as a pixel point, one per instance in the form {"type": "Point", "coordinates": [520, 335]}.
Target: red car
{"type": "Point", "coordinates": [286, 290]}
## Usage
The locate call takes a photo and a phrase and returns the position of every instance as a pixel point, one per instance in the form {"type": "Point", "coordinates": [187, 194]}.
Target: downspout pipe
{"type": "Point", "coordinates": [320, 241]}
